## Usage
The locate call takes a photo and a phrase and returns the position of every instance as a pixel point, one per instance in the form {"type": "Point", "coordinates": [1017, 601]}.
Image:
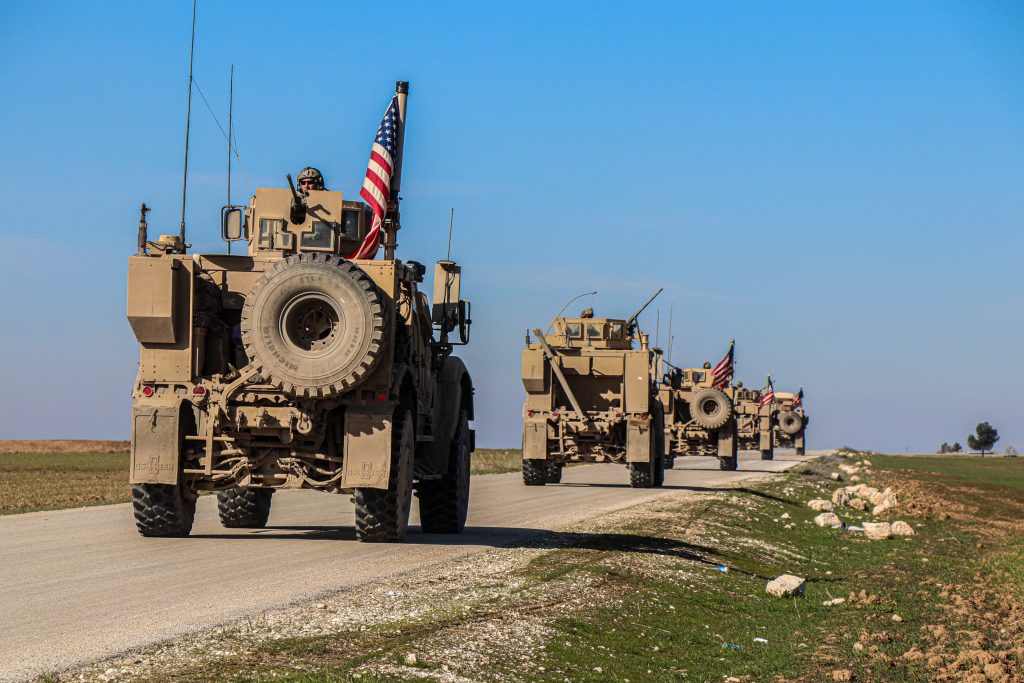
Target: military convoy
{"type": "Point", "coordinates": [293, 366]}
{"type": "Point", "coordinates": [307, 363]}
{"type": "Point", "coordinates": [592, 396]}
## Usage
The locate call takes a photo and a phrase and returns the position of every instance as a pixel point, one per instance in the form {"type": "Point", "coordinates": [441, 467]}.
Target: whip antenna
{"type": "Point", "coordinates": [188, 123]}
{"type": "Point", "coordinates": [231, 103]}
{"type": "Point", "coordinates": [557, 315]}
{"type": "Point", "coordinates": [451, 222]}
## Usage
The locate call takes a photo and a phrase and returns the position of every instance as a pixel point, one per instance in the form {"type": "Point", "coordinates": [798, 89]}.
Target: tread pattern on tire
{"type": "Point", "coordinates": [728, 464]}
{"type": "Point", "coordinates": [790, 423]}
{"type": "Point", "coordinates": [444, 502]}
{"type": "Point", "coordinates": [713, 421]}
{"type": "Point", "coordinates": [161, 510]}
{"type": "Point", "coordinates": [641, 475]}
{"type": "Point", "coordinates": [375, 332]}
{"type": "Point", "coordinates": [379, 514]}
{"type": "Point", "coordinates": [244, 508]}
{"type": "Point", "coordinates": [553, 474]}
{"type": "Point", "coordinates": [767, 455]}
{"type": "Point", "coordinates": [534, 472]}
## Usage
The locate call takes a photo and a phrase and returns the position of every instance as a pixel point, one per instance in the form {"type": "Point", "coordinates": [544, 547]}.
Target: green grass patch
{"type": "Point", "coordinates": [49, 481]}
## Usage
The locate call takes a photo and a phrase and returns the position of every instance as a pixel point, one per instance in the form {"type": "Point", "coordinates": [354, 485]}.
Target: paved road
{"type": "Point", "coordinates": [80, 585]}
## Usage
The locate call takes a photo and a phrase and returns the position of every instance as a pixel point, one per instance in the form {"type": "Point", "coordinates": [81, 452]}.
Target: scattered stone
{"type": "Point", "coordinates": [877, 531]}
{"type": "Point", "coordinates": [834, 476]}
{"type": "Point", "coordinates": [880, 509]}
{"type": "Point", "coordinates": [840, 497]}
{"type": "Point", "coordinates": [789, 526]}
{"type": "Point", "coordinates": [897, 618]}
{"type": "Point", "coordinates": [857, 504]}
{"type": "Point", "coordinates": [819, 505]}
{"type": "Point", "coordinates": [410, 659]}
{"type": "Point", "coordinates": [855, 477]}
{"type": "Point", "coordinates": [901, 529]}
{"type": "Point", "coordinates": [598, 669]}
{"type": "Point", "coordinates": [784, 515]}
{"type": "Point", "coordinates": [786, 585]}
{"type": "Point", "coordinates": [834, 601]}
{"type": "Point", "coordinates": [842, 675]}
{"type": "Point", "coordinates": [859, 647]}
{"type": "Point", "coordinates": [321, 605]}
{"type": "Point", "coordinates": [827, 519]}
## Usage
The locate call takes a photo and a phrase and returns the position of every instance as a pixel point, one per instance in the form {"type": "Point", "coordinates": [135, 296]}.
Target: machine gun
{"type": "Point", "coordinates": [298, 214]}
{"type": "Point", "coordinates": [631, 323]}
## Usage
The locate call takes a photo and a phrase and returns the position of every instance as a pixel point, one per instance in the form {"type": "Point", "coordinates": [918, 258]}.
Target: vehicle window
{"type": "Point", "coordinates": [698, 377]}
{"type": "Point", "coordinates": [615, 330]}
{"type": "Point", "coordinates": [268, 228]}
{"type": "Point", "coordinates": [350, 224]}
{"type": "Point", "coordinates": [319, 237]}
{"type": "Point", "coordinates": [594, 331]}
{"type": "Point", "coordinates": [574, 330]}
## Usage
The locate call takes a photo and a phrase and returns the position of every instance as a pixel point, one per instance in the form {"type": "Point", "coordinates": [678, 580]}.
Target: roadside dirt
{"type": "Point", "coordinates": [63, 446]}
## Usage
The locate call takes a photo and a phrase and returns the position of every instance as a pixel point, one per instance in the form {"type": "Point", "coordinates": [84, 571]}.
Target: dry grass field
{"type": "Point", "coordinates": [51, 475]}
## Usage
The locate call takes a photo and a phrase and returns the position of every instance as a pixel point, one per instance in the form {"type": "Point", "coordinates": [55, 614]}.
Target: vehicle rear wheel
{"type": "Point", "coordinates": [728, 464]}
{"type": "Point", "coordinates": [801, 451]}
{"type": "Point", "coordinates": [553, 472]}
{"type": "Point", "coordinates": [659, 471]}
{"type": "Point", "coordinates": [444, 502]}
{"type": "Point", "coordinates": [535, 472]}
{"type": "Point", "coordinates": [163, 509]}
{"type": "Point", "coordinates": [382, 515]}
{"type": "Point", "coordinates": [767, 455]}
{"type": "Point", "coordinates": [641, 474]}
{"type": "Point", "coordinates": [670, 462]}
{"type": "Point", "coordinates": [244, 508]}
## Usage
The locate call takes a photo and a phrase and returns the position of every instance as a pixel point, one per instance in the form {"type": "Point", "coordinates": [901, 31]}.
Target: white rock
{"type": "Point", "coordinates": [784, 515]}
{"type": "Point", "coordinates": [840, 497]}
{"type": "Point", "coordinates": [827, 519]}
{"type": "Point", "coordinates": [855, 477]}
{"type": "Point", "coordinates": [786, 585]}
{"type": "Point", "coordinates": [877, 531]}
{"type": "Point", "coordinates": [857, 504]}
{"type": "Point", "coordinates": [410, 659]}
{"type": "Point", "coordinates": [901, 529]}
{"type": "Point", "coordinates": [819, 505]}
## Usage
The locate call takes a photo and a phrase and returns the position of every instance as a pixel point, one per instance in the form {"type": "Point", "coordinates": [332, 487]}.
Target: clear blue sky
{"type": "Point", "coordinates": [839, 186]}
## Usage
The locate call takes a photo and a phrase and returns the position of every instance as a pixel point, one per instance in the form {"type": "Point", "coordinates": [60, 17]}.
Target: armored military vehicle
{"type": "Point", "coordinates": [298, 366]}
{"type": "Point", "coordinates": [700, 419]}
{"type": "Point", "coordinates": [753, 422]}
{"type": "Point", "coordinates": [591, 396]}
{"type": "Point", "coordinates": [791, 423]}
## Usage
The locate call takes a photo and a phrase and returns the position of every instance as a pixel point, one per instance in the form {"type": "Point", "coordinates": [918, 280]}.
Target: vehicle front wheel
{"type": "Point", "coordinates": [244, 508]}
{"type": "Point", "coordinates": [382, 515]}
{"type": "Point", "coordinates": [444, 502]}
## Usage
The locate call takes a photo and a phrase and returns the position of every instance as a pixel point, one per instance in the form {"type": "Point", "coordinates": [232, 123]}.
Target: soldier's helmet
{"type": "Point", "coordinates": [313, 174]}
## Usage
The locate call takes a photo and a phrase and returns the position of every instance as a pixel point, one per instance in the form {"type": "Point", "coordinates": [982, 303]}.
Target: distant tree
{"type": "Point", "coordinates": [983, 439]}
{"type": "Point", "coordinates": [956, 447]}
{"type": "Point", "coordinates": [1011, 451]}
{"type": "Point", "coordinates": [944, 448]}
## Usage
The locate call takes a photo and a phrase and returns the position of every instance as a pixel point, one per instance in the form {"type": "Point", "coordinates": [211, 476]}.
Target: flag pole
{"type": "Point", "coordinates": [393, 221]}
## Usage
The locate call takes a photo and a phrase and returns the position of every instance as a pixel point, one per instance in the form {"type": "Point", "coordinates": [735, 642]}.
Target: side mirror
{"type": "Point", "coordinates": [449, 312]}
{"type": "Point", "coordinates": [232, 223]}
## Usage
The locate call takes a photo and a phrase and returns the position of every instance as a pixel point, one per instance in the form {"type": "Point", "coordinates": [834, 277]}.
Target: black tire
{"type": "Point", "coordinates": [659, 471]}
{"type": "Point", "coordinates": [313, 325]}
{"type": "Point", "coordinates": [535, 472]}
{"type": "Point", "coordinates": [553, 472]}
{"type": "Point", "coordinates": [382, 515]}
{"type": "Point", "coordinates": [768, 455]}
{"type": "Point", "coordinates": [670, 462]}
{"type": "Point", "coordinates": [790, 423]}
{"type": "Point", "coordinates": [641, 474]}
{"type": "Point", "coordinates": [728, 464]}
{"type": "Point", "coordinates": [162, 510]}
{"type": "Point", "coordinates": [444, 502]}
{"type": "Point", "coordinates": [244, 508]}
{"type": "Point", "coordinates": [801, 451]}
{"type": "Point", "coordinates": [710, 408]}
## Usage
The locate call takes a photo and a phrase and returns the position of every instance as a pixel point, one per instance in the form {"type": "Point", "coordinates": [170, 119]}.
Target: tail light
{"type": "Point", "coordinates": [199, 390]}
{"type": "Point", "coordinates": [148, 391]}
{"type": "Point", "coordinates": [530, 413]}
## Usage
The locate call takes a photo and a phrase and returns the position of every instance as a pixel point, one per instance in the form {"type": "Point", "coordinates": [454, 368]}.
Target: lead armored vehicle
{"type": "Point", "coordinates": [591, 396]}
{"type": "Point", "coordinates": [754, 422]}
{"type": "Point", "coordinates": [294, 366]}
{"type": "Point", "coordinates": [791, 423]}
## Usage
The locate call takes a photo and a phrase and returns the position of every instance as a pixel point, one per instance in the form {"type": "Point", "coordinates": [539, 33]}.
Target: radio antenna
{"type": "Point", "coordinates": [231, 104]}
{"type": "Point", "coordinates": [451, 222]}
{"type": "Point", "coordinates": [557, 315]}
{"type": "Point", "coordinates": [188, 123]}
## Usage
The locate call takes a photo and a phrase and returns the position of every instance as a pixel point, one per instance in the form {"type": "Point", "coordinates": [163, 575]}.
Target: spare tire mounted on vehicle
{"type": "Point", "coordinates": [710, 408]}
{"type": "Point", "coordinates": [791, 423]}
{"type": "Point", "coordinates": [313, 325]}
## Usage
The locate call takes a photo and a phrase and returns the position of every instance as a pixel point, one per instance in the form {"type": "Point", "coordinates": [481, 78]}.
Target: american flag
{"type": "Point", "coordinates": [377, 184]}
{"type": "Point", "coordinates": [768, 396]}
{"type": "Point", "coordinates": [722, 372]}
{"type": "Point", "coordinates": [798, 400]}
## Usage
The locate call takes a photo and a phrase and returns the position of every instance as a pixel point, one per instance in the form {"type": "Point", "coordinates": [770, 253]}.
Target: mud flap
{"type": "Point", "coordinates": [535, 440]}
{"type": "Point", "coordinates": [638, 442]}
{"type": "Point", "coordinates": [727, 442]}
{"type": "Point", "coordinates": [367, 450]}
{"type": "Point", "coordinates": [155, 442]}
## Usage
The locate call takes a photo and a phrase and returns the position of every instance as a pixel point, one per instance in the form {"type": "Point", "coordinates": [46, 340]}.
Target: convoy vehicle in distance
{"type": "Point", "coordinates": [591, 396]}
{"type": "Point", "coordinates": [700, 419]}
{"type": "Point", "coordinates": [294, 367]}
{"type": "Point", "coordinates": [791, 423]}
{"type": "Point", "coordinates": [754, 422]}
